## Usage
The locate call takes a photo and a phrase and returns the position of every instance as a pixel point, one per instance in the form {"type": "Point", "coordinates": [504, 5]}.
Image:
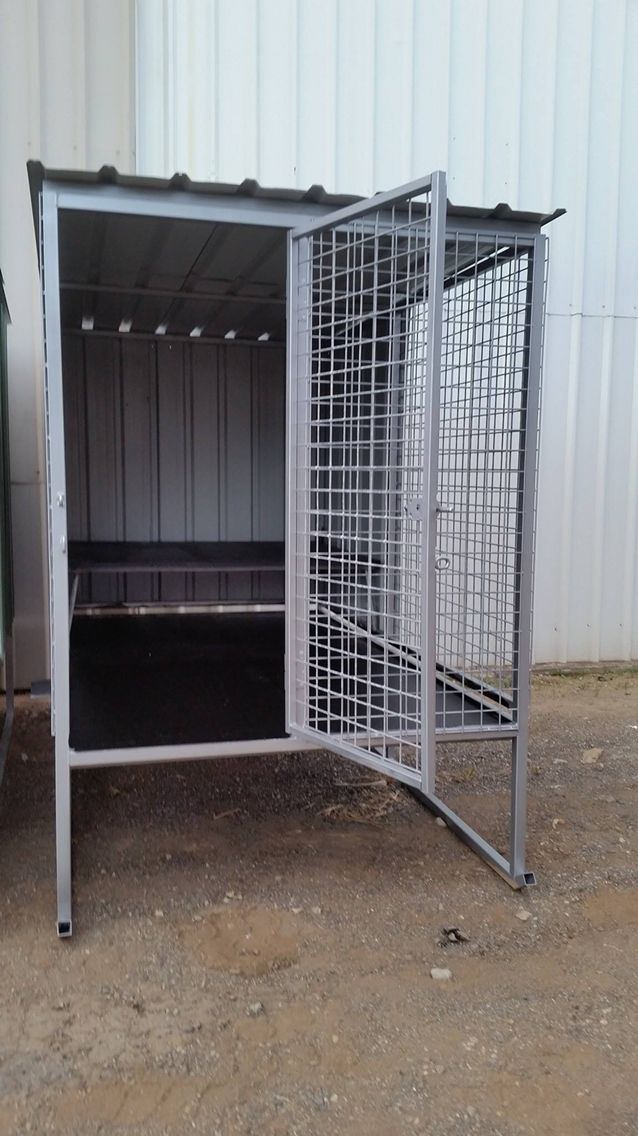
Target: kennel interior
{"type": "Point", "coordinates": [291, 449]}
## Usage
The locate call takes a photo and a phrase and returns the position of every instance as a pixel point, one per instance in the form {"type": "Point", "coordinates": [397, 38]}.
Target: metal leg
{"type": "Point", "coordinates": [518, 819]}
{"type": "Point", "coordinates": [63, 835]}
{"type": "Point", "coordinates": [512, 870]}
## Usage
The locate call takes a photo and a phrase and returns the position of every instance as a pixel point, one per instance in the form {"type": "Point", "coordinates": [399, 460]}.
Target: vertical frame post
{"type": "Point", "coordinates": [530, 412]}
{"type": "Point", "coordinates": [438, 217]}
{"type": "Point", "coordinates": [58, 560]}
{"type": "Point", "coordinates": [298, 339]}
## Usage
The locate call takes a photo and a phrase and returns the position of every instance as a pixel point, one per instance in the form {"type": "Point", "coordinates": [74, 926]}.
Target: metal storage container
{"type": "Point", "coordinates": [291, 467]}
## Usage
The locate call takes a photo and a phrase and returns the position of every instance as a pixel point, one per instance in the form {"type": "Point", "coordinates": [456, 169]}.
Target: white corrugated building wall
{"type": "Point", "coordinates": [533, 102]}
{"type": "Point", "coordinates": [66, 96]}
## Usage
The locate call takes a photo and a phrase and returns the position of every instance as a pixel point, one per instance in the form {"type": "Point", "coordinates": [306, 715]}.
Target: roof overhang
{"type": "Point", "coordinates": [249, 188]}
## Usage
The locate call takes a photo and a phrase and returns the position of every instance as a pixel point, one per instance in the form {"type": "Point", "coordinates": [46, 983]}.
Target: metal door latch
{"type": "Point", "coordinates": [414, 508]}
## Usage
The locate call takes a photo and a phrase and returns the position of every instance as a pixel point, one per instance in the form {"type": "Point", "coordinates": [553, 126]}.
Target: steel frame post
{"type": "Point", "coordinates": [58, 560]}
{"type": "Point", "coordinates": [525, 552]}
{"type": "Point", "coordinates": [430, 480]}
{"type": "Point", "coordinates": [299, 283]}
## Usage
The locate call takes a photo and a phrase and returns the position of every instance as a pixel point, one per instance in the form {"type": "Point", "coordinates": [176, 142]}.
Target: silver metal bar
{"type": "Point", "coordinates": [215, 340]}
{"type": "Point", "coordinates": [143, 755]}
{"type": "Point", "coordinates": [297, 440]}
{"type": "Point", "coordinates": [430, 480]}
{"type": "Point", "coordinates": [292, 255]}
{"type": "Point", "coordinates": [169, 607]}
{"type": "Point", "coordinates": [474, 840]}
{"type": "Point", "coordinates": [58, 584]}
{"type": "Point", "coordinates": [232, 209]}
{"type": "Point", "coordinates": [481, 733]}
{"type": "Point", "coordinates": [525, 552]}
{"type": "Point", "coordinates": [173, 293]}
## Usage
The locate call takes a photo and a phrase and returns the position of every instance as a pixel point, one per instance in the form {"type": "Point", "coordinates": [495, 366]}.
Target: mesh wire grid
{"type": "Point", "coordinates": [482, 421]}
{"type": "Point", "coordinates": [359, 478]}
{"type": "Point", "coordinates": [363, 307]}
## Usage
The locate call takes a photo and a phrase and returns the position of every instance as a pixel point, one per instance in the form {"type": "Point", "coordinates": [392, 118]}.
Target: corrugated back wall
{"type": "Point", "coordinates": [534, 102]}
{"type": "Point", "coordinates": [187, 443]}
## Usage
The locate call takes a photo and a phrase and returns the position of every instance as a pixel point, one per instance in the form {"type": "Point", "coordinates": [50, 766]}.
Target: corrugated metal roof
{"type": "Point", "coordinates": [150, 275]}
{"type": "Point", "coordinates": [315, 194]}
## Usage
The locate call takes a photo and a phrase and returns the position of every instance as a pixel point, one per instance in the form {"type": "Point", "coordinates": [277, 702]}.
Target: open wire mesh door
{"type": "Point", "coordinates": [364, 320]}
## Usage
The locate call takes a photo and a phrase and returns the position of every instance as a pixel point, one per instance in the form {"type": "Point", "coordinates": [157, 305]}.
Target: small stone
{"type": "Point", "coordinates": [297, 910]}
{"type": "Point", "coordinates": [523, 915]}
{"type": "Point", "coordinates": [455, 935]}
{"type": "Point", "coordinates": [441, 823]}
{"type": "Point", "coordinates": [333, 1098]}
{"type": "Point", "coordinates": [255, 1009]}
{"type": "Point", "coordinates": [24, 757]}
{"type": "Point", "coordinates": [440, 974]}
{"type": "Point", "coordinates": [335, 1038]}
{"type": "Point", "coordinates": [591, 756]}
{"type": "Point", "coordinates": [159, 914]}
{"type": "Point", "coordinates": [316, 910]}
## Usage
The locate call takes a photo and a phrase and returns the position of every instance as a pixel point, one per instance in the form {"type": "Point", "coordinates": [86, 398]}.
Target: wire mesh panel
{"type": "Point", "coordinates": [483, 398]}
{"type": "Point", "coordinates": [359, 458]}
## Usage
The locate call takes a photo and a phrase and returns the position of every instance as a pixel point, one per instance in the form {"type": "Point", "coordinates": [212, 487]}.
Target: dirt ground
{"type": "Point", "coordinates": [253, 943]}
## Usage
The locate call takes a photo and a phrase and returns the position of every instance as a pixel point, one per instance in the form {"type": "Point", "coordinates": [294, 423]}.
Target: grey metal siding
{"type": "Point", "coordinates": [171, 441]}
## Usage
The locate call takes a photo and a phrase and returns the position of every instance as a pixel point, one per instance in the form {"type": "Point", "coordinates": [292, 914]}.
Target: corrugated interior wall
{"type": "Point", "coordinates": [534, 102]}
{"type": "Point", "coordinates": [174, 442]}
{"type": "Point", "coordinates": [66, 93]}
